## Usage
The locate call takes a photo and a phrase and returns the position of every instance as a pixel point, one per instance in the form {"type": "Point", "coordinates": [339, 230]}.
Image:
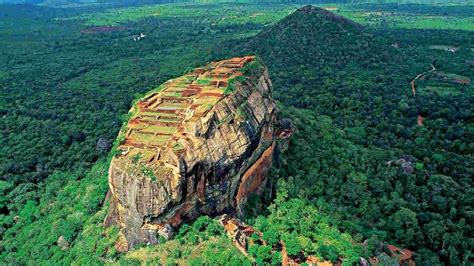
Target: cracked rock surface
{"type": "Point", "coordinates": [208, 165]}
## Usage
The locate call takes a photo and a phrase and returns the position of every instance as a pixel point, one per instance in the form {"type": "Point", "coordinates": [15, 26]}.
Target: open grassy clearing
{"type": "Point", "coordinates": [159, 129]}
{"type": "Point", "coordinates": [431, 22]}
{"type": "Point", "coordinates": [155, 114]}
{"type": "Point", "coordinates": [444, 48]}
{"type": "Point", "coordinates": [418, 17]}
{"type": "Point", "coordinates": [450, 77]}
{"type": "Point", "coordinates": [214, 14]}
{"type": "Point", "coordinates": [149, 139]}
{"type": "Point", "coordinates": [441, 90]}
{"type": "Point", "coordinates": [222, 14]}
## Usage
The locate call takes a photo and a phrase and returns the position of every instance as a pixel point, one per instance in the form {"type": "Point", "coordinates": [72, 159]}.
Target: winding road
{"type": "Point", "coordinates": [413, 89]}
{"type": "Point", "coordinates": [412, 83]}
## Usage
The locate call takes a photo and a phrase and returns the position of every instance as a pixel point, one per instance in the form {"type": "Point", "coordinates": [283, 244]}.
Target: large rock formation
{"type": "Point", "coordinates": [198, 144]}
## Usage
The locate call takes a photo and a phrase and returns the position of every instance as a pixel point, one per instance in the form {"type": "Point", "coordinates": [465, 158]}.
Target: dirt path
{"type": "Point", "coordinates": [412, 83]}
{"type": "Point", "coordinates": [420, 120]}
{"type": "Point", "coordinates": [413, 89]}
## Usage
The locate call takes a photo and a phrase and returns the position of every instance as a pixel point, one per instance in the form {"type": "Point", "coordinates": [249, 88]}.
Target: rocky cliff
{"type": "Point", "coordinates": [198, 144]}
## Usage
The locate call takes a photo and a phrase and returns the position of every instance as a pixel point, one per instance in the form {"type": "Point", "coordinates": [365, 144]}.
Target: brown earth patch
{"type": "Point", "coordinates": [212, 94]}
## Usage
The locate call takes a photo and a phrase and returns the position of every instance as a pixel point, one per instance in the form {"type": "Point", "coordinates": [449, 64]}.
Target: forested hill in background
{"type": "Point", "coordinates": [140, 2]}
{"type": "Point", "coordinates": [359, 152]}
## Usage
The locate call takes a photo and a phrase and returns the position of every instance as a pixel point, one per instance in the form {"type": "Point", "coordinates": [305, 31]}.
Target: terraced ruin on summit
{"type": "Point", "coordinates": [159, 119]}
{"type": "Point", "coordinates": [198, 144]}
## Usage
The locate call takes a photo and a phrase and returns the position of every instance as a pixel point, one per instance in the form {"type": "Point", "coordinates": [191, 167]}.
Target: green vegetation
{"type": "Point", "coordinates": [147, 171]}
{"type": "Point", "coordinates": [213, 14]}
{"type": "Point", "coordinates": [302, 228]}
{"type": "Point", "coordinates": [203, 81]}
{"type": "Point", "coordinates": [70, 208]}
{"type": "Point", "coordinates": [231, 86]}
{"type": "Point", "coordinates": [345, 88]}
{"type": "Point", "coordinates": [241, 114]}
{"type": "Point", "coordinates": [353, 109]}
{"type": "Point", "coordinates": [203, 242]}
{"type": "Point", "coordinates": [411, 16]}
{"type": "Point", "coordinates": [253, 68]}
{"type": "Point", "coordinates": [451, 77]}
{"type": "Point", "coordinates": [178, 147]}
{"type": "Point", "coordinates": [442, 91]}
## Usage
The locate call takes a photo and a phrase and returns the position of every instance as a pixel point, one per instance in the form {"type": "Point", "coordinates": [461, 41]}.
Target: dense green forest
{"type": "Point", "coordinates": [363, 119]}
{"type": "Point", "coordinates": [65, 88]}
{"type": "Point", "coordinates": [359, 163]}
{"type": "Point", "coordinates": [80, 3]}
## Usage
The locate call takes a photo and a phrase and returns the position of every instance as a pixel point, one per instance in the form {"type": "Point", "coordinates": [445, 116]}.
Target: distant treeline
{"type": "Point", "coordinates": [140, 2]}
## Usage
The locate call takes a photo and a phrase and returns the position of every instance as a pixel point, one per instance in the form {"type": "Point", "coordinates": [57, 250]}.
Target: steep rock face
{"type": "Point", "coordinates": [198, 144]}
